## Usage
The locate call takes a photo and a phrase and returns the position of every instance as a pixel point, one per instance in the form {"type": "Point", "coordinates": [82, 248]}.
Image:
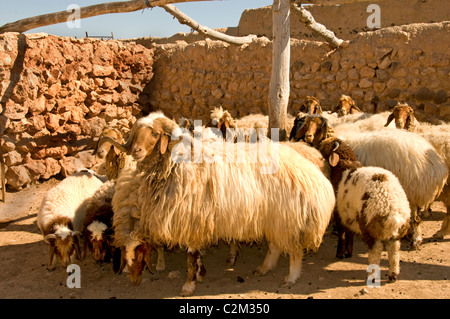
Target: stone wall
{"type": "Point", "coordinates": [408, 63]}
{"type": "Point", "coordinates": [57, 94]}
{"type": "Point", "coordinates": [348, 19]}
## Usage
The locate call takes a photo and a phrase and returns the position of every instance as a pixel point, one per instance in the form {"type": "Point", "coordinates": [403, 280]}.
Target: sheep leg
{"type": "Point", "coordinates": [194, 269]}
{"type": "Point", "coordinates": [51, 258]}
{"type": "Point", "coordinates": [445, 228]}
{"type": "Point", "coordinates": [374, 253]}
{"type": "Point", "coordinates": [348, 243]}
{"type": "Point", "coordinates": [234, 252]}
{"type": "Point", "coordinates": [416, 229]}
{"type": "Point", "coordinates": [160, 262]}
{"type": "Point", "coordinates": [270, 261]}
{"type": "Point", "coordinates": [295, 267]}
{"type": "Point", "coordinates": [393, 249]}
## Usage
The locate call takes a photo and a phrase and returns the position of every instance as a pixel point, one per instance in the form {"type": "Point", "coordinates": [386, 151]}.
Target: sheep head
{"type": "Point", "coordinates": [298, 123]}
{"type": "Point", "coordinates": [148, 133]}
{"type": "Point", "coordinates": [403, 115]}
{"type": "Point", "coordinates": [102, 149]}
{"type": "Point", "coordinates": [314, 130]}
{"type": "Point", "coordinates": [222, 120]}
{"type": "Point", "coordinates": [97, 237]}
{"type": "Point", "coordinates": [311, 105]}
{"type": "Point", "coordinates": [136, 255]}
{"type": "Point", "coordinates": [346, 106]}
{"type": "Point", "coordinates": [64, 242]}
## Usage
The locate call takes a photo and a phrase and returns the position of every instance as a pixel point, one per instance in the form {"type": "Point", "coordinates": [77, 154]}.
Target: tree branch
{"type": "Point", "coordinates": [85, 12]}
{"type": "Point", "coordinates": [184, 19]}
{"type": "Point", "coordinates": [307, 18]}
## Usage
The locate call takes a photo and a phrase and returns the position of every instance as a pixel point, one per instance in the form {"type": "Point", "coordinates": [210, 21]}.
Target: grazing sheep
{"type": "Point", "coordinates": [311, 105]}
{"type": "Point", "coordinates": [61, 215]}
{"type": "Point", "coordinates": [97, 225]}
{"type": "Point", "coordinates": [187, 204]}
{"type": "Point", "coordinates": [370, 200]}
{"type": "Point", "coordinates": [346, 106]}
{"type": "Point", "coordinates": [420, 169]}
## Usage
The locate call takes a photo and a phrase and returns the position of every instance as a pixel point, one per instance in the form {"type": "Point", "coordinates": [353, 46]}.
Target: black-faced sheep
{"type": "Point", "coordinates": [370, 200]}
{"type": "Point", "coordinates": [62, 212]}
{"type": "Point", "coordinates": [282, 197]}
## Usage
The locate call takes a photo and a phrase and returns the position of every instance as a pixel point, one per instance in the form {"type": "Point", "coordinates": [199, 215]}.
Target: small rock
{"type": "Point", "coordinates": [364, 291]}
{"type": "Point", "coordinates": [240, 279]}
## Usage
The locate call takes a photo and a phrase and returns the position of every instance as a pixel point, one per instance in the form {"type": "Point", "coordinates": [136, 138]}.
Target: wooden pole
{"type": "Point", "coordinates": [85, 12]}
{"type": "Point", "coordinates": [279, 80]}
{"type": "Point", "coordinates": [184, 19]}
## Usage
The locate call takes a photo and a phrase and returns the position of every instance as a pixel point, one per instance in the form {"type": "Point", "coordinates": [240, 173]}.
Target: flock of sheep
{"type": "Point", "coordinates": [178, 185]}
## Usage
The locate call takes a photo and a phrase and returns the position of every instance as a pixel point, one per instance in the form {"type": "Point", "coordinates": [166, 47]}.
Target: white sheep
{"type": "Point", "coordinates": [370, 201]}
{"type": "Point", "coordinates": [187, 204]}
{"type": "Point", "coordinates": [61, 215]}
{"type": "Point", "coordinates": [436, 135]}
{"type": "Point", "coordinates": [420, 169]}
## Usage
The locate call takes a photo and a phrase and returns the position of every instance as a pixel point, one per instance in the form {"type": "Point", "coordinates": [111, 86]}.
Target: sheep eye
{"type": "Point", "coordinates": [155, 135]}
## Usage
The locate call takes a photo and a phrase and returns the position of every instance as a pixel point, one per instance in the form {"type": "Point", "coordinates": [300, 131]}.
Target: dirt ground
{"type": "Point", "coordinates": [23, 257]}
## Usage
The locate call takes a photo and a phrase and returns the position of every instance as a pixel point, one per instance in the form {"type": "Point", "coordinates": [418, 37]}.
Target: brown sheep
{"type": "Point", "coordinates": [311, 105]}
{"type": "Point", "coordinates": [403, 114]}
{"type": "Point", "coordinates": [346, 106]}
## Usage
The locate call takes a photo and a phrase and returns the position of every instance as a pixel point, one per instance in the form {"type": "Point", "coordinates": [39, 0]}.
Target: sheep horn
{"type": "Point", "coordinates": [336, 146]}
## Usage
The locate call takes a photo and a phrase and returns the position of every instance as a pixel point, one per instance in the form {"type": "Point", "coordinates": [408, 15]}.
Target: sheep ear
{"type": "Point", "coordinates": [50, 239]}
{"type": "Point", "coordinates": [148, 259]}
{"type": "Point", "coordinates": [409, 121]}
{"type": "Point", "coordinates": [301, 132]}
{"type": "Point", "coordinates": [389, 119]}
{"type": "Point", "coordinates": [164, 143]}
{"type": "Point", "coordinates": [318, 109]}
{"type": "Point", "coordinates": [333, 159]}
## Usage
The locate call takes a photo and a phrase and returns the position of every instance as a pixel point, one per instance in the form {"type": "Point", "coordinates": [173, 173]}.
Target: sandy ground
{"type": "Point", "coordinates": [23, 257]}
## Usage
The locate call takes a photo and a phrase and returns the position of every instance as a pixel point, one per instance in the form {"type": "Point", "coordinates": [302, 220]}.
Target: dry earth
{"type": "Point", "coordinates": [23, 256]}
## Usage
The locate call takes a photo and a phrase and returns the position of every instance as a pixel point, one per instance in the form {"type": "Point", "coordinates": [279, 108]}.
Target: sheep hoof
{"type": "Point", "coordinates": [260, 271]}
{"type": "Point", "coordinates": [348, 255]}
{"type": "Point", "coordinates": [50, 268]}
{"type": "Point", "coordinates": [188, 289]}
{"type": "Point", "coordinates": [231, 260]}
{"type": "Point", "coordinates": [287, 283]}
{"type": "Point", "coordinates": [392, 278]}
{"type": "Point", "coordinates": [439, 235]}
{"type": "Point", "coordinates": [160, 267]}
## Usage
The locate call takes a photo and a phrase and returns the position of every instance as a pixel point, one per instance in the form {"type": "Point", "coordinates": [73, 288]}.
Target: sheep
{"type": "Point", "coordinates": [311, 105]}
{"type": "Point", "coordinates": [370, 201]}
{"type": "Point", "coordinates": [97, 225]}
{"type": "Point", "coordinates": [61, 215]}
{"type": "Point", "coordinates": [420, 169]}
{"type": "Point", "coordinates": [115, 160]}
{"type": "Point", "coordinates": [346, 106]}
{"type": "Point", "coordinates": [187, 204]}
{"type": "Point", "coordinates": [436, 135]}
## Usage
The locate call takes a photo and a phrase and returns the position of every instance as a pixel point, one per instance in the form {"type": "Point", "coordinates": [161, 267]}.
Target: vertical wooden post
{"type": "Point", "coordinates": [279, 80]}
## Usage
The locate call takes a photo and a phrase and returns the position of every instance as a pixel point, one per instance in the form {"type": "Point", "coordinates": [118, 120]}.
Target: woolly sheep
{"type": "Point", "coordinates": [61, 215]}
{"type": "Point", "coordinates": [97, 225]}
{"type": "Point", "coordinates": [187, 204]}
{"type": "Point", "coordinates": [436, 135]}
{"type": "Point", "coordinates": [412, 159]}
{"type": "Point", "coordinates": [370, 200]}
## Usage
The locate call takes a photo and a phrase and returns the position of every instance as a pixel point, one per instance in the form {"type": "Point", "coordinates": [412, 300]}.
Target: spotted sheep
{"type": "Point", "coordinates": [370, 201]}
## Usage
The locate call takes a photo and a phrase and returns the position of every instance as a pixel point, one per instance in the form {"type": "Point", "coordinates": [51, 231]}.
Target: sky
{"type": "Point", "coordinates": [154, 22]}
